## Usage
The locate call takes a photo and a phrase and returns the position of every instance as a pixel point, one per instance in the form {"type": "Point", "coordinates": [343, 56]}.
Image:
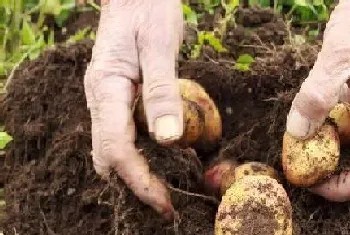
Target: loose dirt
{"type": "Point", "coordinates": [51, 187]}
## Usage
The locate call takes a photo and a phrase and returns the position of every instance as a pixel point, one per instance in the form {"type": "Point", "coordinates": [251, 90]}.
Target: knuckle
{"type": "Point", "coordinates": [159, 89]}
{"type": "Point", "coordinates": [100, 166]}
{"type": "Point", "coordinates": [114, 151]}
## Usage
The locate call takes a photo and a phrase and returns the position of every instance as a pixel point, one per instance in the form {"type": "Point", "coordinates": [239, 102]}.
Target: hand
{"type": "Point", "coordinates": [135, 35]}
{"type": "Point", "coordinates": [322, 90]}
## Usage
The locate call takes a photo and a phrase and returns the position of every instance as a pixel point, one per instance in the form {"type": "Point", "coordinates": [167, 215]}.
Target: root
{"type": "Point", "coordinates": [208, 198]}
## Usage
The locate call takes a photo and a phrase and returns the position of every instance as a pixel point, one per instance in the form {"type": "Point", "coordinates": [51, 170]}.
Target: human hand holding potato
{"type": "Point", "coordinates": [321, 91]}
{"type": "Point", "coordinates": [133, 36]}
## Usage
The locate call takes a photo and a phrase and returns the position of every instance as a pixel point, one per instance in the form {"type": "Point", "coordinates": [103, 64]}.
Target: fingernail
{"type": "Point", "coordinates": [167, 129]}
{"type": "Point", "coordinates": [298, 125]}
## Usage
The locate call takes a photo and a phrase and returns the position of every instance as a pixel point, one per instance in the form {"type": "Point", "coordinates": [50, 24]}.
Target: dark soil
{"type": "Point", "coordinates": [51, 187]}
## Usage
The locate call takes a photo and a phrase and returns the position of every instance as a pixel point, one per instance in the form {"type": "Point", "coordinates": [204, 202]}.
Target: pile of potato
{"type": "Point", "coordinates": [253, 191]}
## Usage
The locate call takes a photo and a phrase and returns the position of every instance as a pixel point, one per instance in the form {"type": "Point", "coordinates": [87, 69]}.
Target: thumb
{"type": "Point", "coordinates": [322, 89]}
{"type": "Point", "coordinates": [158, 42]}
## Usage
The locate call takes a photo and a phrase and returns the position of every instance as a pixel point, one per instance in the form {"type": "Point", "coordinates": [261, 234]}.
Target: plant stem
{"type": "Point", "coordinates": [16, 17]}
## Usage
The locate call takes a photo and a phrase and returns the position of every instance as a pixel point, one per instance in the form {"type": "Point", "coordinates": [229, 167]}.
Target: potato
{"type": "Point", "coordinates": [254, 204]}
{"type": "Point", "coordinates": [340, 114]}
{"type": "Point", "coordinates": [249, 168]}
{"type": "Point", "coordinates": [213, 124]}
{"type": "Point", "coordinates": [202, 121]}
{"type": "Point", "coordinates": [306, 162]}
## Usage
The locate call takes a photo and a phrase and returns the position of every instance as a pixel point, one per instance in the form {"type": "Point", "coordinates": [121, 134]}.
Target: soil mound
{"type": "Point", "coordinates": [51, 187]}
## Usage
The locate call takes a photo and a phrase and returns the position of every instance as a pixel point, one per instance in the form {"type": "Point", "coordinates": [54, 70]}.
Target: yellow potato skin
{"type": "Point", "coordinates": [340, 114]}
{"type": "Point", "coordinates": [202, 121]}
{"type": "Point", "coordinates": [306, 162]}
{"type": "Point", "coordinates": [213, 124]}
{"type": "Point", "coordinates": [248, 168]}
{"type": "Point", "coordinates": [193, 124]}
{"type": "Point", "coordinates": [254, 203]}
{"type": "Point", "coordinates": [255, 168]}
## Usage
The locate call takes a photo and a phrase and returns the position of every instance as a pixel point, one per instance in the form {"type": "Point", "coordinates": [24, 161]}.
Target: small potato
{"type": "Point", "coordinates": [341, 116]}
{"type": "Point", "coordinates": [224, 173]}
{"type": "Point", "coordinates": [254, 204]}
{"type": "Point", "coordinates": [213, 124]}
{"type": "Point", "coordinates": [249, 168]}
{"type": "Point", "coordinates": [307, 162]}
{"type": "Point", "coordinates": [193, 122]}
{"type": "Point", "coordinates": [255, 168]}
{"type": "Point", "coordinates": [202, 121]}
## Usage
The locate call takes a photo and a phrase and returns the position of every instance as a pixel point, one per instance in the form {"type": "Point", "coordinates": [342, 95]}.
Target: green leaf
{"type": "Point", "coordinates": [61, 18]}
{"type": "Point", "coordinates": [196, 51]}
{"type": "Point", "coordinates": [5, 14]}
{"type": "Point", "coordinates": [28, 35]}
{"type": "Point", "coordinates": [242, 67]}
{"type": "Point", "coordinates": [262, 3]}
{"type": "Point", "coordinates": [209, 38]}
{"type": "Point", "coordinates": [92, 35]}
{"type": "Point", "coordinates": [318, 2]}
{"type": "Point", "coordinates": [245, 59]}
{"type": "Point", "coordinates": [304, 14]}
{"type": "Point", "coordinates": [34, 54]}
{"type": "Point", "coordinates": [28, 4]}
{"type": "Point", "coordinates": [51, 7]}
{"type": "Point", "coordinates": [209, 5]}
{"type": "Point", "coordinates": [190, 15]}
{"type": "Point", "coordinates": [301, 3]}
{"type": "Point", "coordinates": [314, 33]}
{"type": "Point", "coordinates": [231, 5]}
{"type": "Point", "coordinates": [323, 13]}
{"type": "Point", "coordinates": [80, 35]}
{"type": "Point", "coordinates": [4, 139]}
{"type": "Point", "coordinates": [71, 2]}
{"type": "Point", "coordinates": [243, 62]}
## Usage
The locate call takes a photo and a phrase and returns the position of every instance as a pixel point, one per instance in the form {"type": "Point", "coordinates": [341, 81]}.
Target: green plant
{"type": "Point", "coordinates": [243, 62]}
{"type": "Point", "coordinates": [20, 37]}
{"type": "Point", "coordinates": [4, 139]}
{"type": "Point", "coordinates": [207, 38]}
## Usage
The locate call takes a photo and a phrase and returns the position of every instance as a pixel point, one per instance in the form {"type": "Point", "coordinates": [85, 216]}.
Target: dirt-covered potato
{"type": "Point", "coordinates": [255, 168]}
{"type": "Point", "coordinates": [249, 168]}
{"type": "Point", "coordinates": [254, 204]}
{"type": "Point", "coordinates": [306, 162]}
{"type": "Point", "coordinates": [202, 121]}
{"type": "Point", "coordinates": [340, 114]}
{"type": "Point", "coordinates": [194, 92]}
{"type": "Point", "coordinates": [219, 177]}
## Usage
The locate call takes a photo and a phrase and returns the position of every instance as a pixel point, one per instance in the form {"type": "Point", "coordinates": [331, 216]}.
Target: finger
{"type": "Point", "coordinates": [114, 68]}
{"type": "Point", "coordinates": [114, 52]}
{"type": "Point", "coordinates": [336, 188]}
{"type": "Point", "coordinates": [321, 90]}
{"type": "Point", "coordinates": [345, 94]}
{"type": "Point", "coordinates": [104, 2]}
{"type": "Point", "coordinates": [101, 167]}
{"type": "Point", "coordinates": [114, 99]}
{"type": "Point", "coordinates": [158, 43]}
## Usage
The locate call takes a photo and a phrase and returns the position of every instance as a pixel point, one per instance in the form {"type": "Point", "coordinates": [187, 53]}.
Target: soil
{"type": "Point", "coordinates": [51, 187]}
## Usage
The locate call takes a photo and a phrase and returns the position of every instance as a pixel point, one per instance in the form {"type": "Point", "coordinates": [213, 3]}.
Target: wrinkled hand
{"type": "Point", "coordinates": [322, 90]}
{"type": "Point", "coordinates": [134, 36]}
